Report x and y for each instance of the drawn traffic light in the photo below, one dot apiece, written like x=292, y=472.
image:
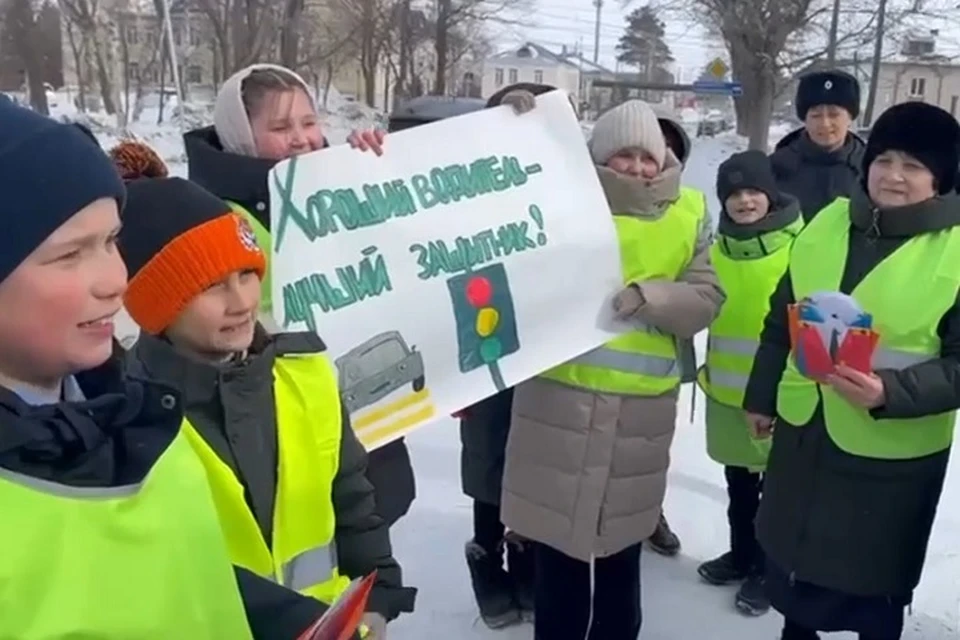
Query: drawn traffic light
x=486, y=323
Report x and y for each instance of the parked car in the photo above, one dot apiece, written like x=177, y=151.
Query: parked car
x=373, y=370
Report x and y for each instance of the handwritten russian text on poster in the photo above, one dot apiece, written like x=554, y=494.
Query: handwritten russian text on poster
x=474, y=254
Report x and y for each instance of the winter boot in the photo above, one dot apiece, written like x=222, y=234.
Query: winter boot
x=491, y=587
x=520, y=568
x=722, y=570
x=793, y=631
x=752, y=597
x=664, y=541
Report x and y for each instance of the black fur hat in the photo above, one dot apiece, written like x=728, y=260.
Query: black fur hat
x=828, y=87
x=928, y=133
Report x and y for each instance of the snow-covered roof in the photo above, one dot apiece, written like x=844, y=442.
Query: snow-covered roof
x=534, y=51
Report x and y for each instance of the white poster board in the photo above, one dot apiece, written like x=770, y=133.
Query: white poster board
x=475, y=253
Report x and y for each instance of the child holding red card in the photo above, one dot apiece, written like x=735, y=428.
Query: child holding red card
x=757, y=225
x=859, y=458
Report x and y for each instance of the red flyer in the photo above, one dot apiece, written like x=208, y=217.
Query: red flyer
x=342, y=619
x=856, y=349
x=828, y=329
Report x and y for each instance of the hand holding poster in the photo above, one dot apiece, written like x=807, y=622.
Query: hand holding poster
x=475, y=253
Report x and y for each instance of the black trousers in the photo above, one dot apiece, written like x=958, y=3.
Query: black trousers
x=794, y=631
x=743, y=489
x=487, y=529
x=562, y=596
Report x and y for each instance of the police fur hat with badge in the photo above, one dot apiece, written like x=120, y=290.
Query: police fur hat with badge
x=829, y=88
x=177, y=239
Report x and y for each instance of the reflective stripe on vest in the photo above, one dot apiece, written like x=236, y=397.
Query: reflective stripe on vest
x=262, y=234
x=642, y=361
x=304, y=554
x=748, y=270
x=139, y=561
x=905, y=316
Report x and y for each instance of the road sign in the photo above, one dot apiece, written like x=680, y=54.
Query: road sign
x=718, y=69
x=719, y=88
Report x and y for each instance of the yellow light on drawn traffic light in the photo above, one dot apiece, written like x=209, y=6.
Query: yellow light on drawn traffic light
x=487, y=320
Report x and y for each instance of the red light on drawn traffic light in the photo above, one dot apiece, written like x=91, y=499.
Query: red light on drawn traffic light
x=479, y=291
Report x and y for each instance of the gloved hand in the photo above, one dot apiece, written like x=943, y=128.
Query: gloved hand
x=627, y=302
x=521, y=101
x=376, y=625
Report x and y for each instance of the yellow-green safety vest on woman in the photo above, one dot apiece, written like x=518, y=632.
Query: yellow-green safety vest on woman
x=644, y=361
x=907, y=294
x=89, y=562
x=303, y=556
x=748, y=270
x=262, y=234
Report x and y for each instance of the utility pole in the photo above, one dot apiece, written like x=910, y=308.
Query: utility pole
x=875, y=67
x=834, y=26
x=174, y=64
x=596, y=32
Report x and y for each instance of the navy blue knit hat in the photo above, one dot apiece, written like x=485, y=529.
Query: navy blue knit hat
x=48, y=172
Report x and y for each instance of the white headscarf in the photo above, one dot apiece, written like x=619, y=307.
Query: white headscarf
x=229, y=116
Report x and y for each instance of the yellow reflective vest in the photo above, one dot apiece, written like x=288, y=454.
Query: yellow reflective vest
x=137, y=562
x=748, y=270
x=303, y=555
x=644, y=361
x=905, y=314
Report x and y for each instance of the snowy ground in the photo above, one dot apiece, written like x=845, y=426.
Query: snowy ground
x=677, y=606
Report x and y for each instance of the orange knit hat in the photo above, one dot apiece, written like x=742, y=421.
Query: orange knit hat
x=177, y=240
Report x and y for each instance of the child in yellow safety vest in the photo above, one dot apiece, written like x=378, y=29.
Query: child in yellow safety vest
x=756, y=228
x=262, y=411
x=108, y=526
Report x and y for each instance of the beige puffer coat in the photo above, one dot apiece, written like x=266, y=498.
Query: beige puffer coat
x=586, y=472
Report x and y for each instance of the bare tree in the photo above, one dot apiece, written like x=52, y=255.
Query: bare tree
x=770, y=41
x=22, y=18
x=455, y=15
x=96, y=31
x=244, y=30
x=290, y=32
x=77, y=50
x=369, y=24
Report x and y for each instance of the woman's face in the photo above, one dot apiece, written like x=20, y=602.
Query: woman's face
x=896, y=179
x=65, y=296
x=220, y=321
x=828, y=125
x=286, y=125
x=634, y=163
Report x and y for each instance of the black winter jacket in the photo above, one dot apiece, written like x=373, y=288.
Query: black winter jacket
x=232, y=406
x=114, y=439
x=814, y=176
x=829, y=518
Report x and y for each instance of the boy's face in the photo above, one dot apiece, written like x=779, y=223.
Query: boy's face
x=745, y=206
x=60, y=302
x=634, y=163
x=220, y=321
